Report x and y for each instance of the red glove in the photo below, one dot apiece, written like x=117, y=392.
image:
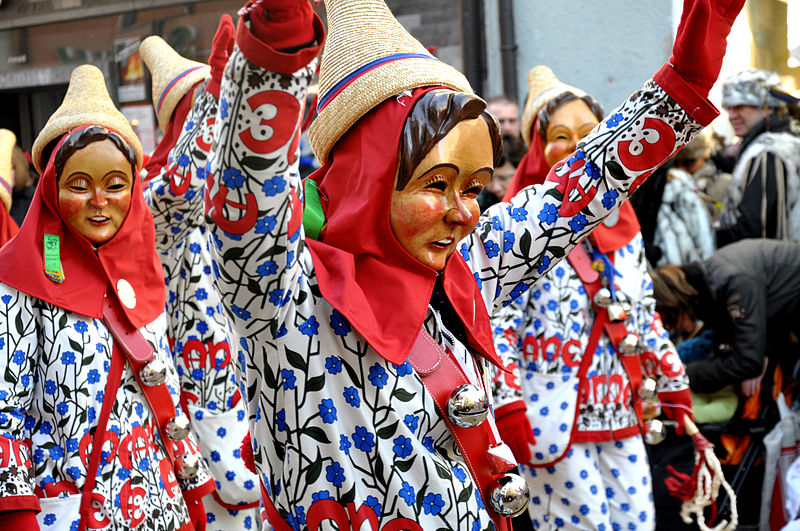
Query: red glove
x=676, y=405
x=515, y=429
x=24, y=519
x=281, y=23
x=197, y=514
x=701, y=40
x=221, y=49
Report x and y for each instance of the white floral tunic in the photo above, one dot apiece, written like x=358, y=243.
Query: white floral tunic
x=203, y=344
x=341, y=435
x=54, y=366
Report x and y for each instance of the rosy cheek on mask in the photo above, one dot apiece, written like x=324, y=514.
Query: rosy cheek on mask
x=417, y=215
x=70, y=207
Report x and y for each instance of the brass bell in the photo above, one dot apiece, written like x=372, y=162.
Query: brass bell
x=616, y=312
x=603, y=297
x=188, y=466
x=154, y=373
x=468, y=406
x=510, y=495
x=629, y=344
x=648, y=390
x=178, y=427
x=656, y=432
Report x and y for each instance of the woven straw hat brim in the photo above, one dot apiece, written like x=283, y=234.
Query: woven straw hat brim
x=374, y=87
x=543, y=85
x=7, y=142
x=362, y=34
x=173, y=76
x=87, y=103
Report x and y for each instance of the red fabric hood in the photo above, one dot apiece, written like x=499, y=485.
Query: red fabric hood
x=362, y=269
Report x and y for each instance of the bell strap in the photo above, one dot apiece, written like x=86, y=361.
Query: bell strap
x=98, y=439
x=441, y=373
x=580, y=261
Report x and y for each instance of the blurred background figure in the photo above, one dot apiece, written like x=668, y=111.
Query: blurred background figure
x=8, y=228
x=507, y=113
x=763, y=196
x=683, y=225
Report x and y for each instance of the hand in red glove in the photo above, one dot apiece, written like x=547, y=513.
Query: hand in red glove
x=282, y=24
x=676, y=405
x=221, y=48
x=24, y=519
x=701, y=40
x=197, y=514
x=515, y=429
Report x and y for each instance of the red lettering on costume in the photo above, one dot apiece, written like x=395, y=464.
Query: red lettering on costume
x=112, y=437
x=649, y=362
x=551, y=355
x=670, y=364
x=237, y=396
x=597, y=381
x=322, y=510
x=213, y=348
x=130, y=500
x=53, y=490
x=364, y=513
x=173, y=171
x=139, y=445
x=5, y=451
x=283, y=123
x=196, y=347
x=200, y=140
x=615, y=380
x=648, y=152
x=168, y=477
x=571, y=358
x=243, y=224
x=96, y=505
x=84, y=449
x=570, y=187
x=297, y=213
x=627, y=395
x=530, y=347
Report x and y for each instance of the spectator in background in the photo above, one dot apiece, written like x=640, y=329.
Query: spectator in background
x=683, y=226
x=513, y=151
x=749, y=294
x=25, y=179
x=8, y=228
x=507, y=113
x=764, y=194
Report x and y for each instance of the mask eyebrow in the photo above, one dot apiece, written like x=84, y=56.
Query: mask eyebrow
x=488, y=169
x=440, y=166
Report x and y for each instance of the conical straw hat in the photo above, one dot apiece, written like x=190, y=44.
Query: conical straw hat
x=87, y=103
x=173, y=76
x=368, y=58
x=543, y=85
x=7, y=142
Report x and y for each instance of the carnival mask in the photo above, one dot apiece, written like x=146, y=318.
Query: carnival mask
x=568, y=125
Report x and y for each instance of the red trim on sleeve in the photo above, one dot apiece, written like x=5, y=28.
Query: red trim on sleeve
x=23, y=520
x=20, y=503
x=198, y=492
x=698, y=107
x=511, y=407
x=265, y=56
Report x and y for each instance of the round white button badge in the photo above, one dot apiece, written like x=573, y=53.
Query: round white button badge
x=126, y=294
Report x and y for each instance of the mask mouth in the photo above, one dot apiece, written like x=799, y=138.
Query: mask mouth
x=444, y=243
x=99, y=219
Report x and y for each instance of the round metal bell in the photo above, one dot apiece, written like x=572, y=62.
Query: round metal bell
x=510, y=495
x=648, y=390
x=603, y=297
x=656, y=432
x=188, y=466
x=629, y=344
x=468, y=406
x=154, y=373
x=178, y=427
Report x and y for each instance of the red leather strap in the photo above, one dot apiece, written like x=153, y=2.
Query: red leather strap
x=441, y=373
x=109, y=397
x=273, y=516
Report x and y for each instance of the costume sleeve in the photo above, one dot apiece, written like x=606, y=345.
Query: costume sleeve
x=175, y=195
x=746, y=301
x=506, y=327
x=19, y=355
x=517, y=242
x=754, y=218
x=253, y=189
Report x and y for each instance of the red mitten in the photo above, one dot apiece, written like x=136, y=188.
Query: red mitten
x=282, y=24
x=197, y=514
x=515, y=429
x=247, y=454
x=221, y=48
x=701, y=40
x=676, y=405
x=25, y=519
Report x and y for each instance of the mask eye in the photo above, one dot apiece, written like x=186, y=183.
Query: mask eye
x=436, y=182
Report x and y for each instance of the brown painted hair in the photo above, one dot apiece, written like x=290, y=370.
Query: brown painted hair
x=673, y=293
x=547, y=110
x=434, y=115
x=83, y=137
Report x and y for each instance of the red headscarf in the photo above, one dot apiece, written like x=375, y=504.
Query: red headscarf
x=533, y=169
x=129, y=255
x=362, y=269
x=8, y=227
